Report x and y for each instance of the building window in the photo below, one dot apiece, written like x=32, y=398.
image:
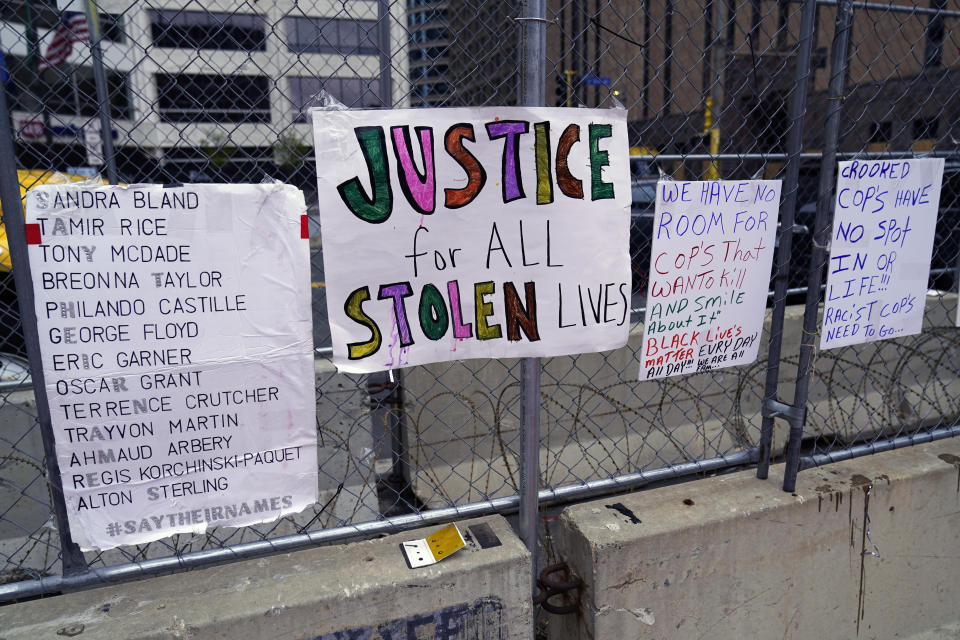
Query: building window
x=111, y=28
x=207, y=30
x=431, y=89
x=332, y=35
x=881, y=131
x=213, y=98
x=428, y=35
x=427, y=54
x=819, y=60
x=767, y=119
x=925, y=128
x=433, y=71
x=353, y=92
x=423, y=17
x=66, y=90
x=933, y=47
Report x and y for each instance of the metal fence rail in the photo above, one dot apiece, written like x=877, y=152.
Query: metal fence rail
x=183, y=91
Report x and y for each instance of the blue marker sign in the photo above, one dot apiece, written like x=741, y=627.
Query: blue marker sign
x=882, y=240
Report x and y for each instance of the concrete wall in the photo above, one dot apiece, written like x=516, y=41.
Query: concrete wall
x=597, y=421
x=867, y=548
x=345, y=592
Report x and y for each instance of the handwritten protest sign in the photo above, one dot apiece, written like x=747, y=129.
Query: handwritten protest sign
x=884, y=219
x=467, y=233
x=709, y=272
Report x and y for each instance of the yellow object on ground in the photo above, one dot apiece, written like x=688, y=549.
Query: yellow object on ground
x=445, y=541
x=441, y=544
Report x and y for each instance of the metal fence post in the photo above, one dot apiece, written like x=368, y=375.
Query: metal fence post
x=385, y=85
x=533, y=73
x=103, y=97
x=821, y=239
x=71, y=557
x=798, y=108
x=385, y=390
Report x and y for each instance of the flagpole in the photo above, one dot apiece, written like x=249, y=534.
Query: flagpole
x=75, y=87
x=103, y=99
x=34, y=61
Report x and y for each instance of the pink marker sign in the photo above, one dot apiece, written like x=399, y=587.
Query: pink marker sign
x=496, y=232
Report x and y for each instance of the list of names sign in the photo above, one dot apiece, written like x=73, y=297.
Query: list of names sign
x=175, y=333
x=710, y=262
x=883, y=226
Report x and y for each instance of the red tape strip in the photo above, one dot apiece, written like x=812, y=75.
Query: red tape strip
x=33, y=234
x=304, y=228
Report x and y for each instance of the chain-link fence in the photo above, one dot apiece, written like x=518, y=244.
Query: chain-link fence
x=181, y=91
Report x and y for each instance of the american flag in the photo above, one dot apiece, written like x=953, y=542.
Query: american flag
x=72, y=28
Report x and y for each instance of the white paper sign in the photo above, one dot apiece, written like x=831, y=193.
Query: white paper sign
x=884, y=218
x=710, y=262
x=175, y=332
x=93, y=143
x=473, y=233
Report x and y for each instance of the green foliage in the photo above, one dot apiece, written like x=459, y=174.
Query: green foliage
x=290, y=151
x=216, y=148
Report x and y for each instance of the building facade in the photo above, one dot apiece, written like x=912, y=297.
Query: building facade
x=665, y=58
x=429, y=52
x=200, y=91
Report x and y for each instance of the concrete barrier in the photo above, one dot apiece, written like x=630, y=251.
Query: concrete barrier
x=359, y=590
x=866, y=548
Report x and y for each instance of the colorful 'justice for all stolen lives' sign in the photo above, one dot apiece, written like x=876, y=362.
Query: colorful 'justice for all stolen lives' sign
x=473, y=233
x=175, y=335
x=884, y=219
x=710, y=265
